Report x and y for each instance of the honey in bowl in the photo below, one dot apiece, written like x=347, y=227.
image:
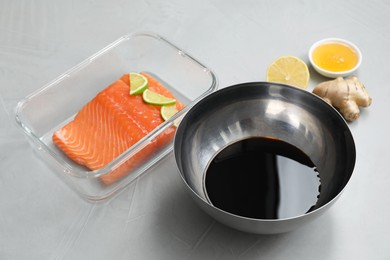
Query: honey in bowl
x=335, y=56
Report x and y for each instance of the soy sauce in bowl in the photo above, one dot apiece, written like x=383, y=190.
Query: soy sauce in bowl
x=262, y=178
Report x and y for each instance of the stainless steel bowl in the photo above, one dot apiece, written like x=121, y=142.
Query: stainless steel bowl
x=257, y=109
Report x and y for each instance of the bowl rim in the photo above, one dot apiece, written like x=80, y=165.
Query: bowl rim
x=329, y=73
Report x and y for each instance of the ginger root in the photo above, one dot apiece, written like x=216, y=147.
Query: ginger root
x=344, y=94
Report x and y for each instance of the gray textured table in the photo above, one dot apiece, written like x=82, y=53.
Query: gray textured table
x=154, y=218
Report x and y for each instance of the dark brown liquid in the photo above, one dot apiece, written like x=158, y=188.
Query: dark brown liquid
x=262, y=178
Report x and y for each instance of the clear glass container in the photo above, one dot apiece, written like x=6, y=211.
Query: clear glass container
x=55, y=104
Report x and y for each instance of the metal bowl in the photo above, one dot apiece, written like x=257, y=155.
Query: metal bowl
x=262, y=109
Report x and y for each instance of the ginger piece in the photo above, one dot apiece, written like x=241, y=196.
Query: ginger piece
x=344, y=94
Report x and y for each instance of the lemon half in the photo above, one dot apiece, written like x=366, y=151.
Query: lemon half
x=289, y=70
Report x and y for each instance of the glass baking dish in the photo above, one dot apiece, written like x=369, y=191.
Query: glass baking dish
x=55, y=104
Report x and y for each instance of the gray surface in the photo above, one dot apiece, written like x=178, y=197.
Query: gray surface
x=41, y=218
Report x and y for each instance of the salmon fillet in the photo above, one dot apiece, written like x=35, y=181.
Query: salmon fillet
x=110, y=124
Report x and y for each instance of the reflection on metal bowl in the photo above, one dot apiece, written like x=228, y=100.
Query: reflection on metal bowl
x=261, y=109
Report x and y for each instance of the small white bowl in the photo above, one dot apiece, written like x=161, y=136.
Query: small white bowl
x=332, y=74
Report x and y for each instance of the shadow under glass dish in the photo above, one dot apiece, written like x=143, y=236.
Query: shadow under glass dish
x=301, y=131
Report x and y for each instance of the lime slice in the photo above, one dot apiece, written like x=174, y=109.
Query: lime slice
x=168, y=111
x=157, y=99
x=138, y=83
x=289, y=70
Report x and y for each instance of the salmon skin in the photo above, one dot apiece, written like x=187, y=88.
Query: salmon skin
x=110, y=124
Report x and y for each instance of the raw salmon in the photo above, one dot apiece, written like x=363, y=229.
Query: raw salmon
x=110, y=124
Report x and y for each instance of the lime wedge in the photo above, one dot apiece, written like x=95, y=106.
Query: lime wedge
x=138, y=83
x=157, y=99
x=168, y=111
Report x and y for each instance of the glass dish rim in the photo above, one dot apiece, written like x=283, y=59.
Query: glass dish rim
x=117, y=162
